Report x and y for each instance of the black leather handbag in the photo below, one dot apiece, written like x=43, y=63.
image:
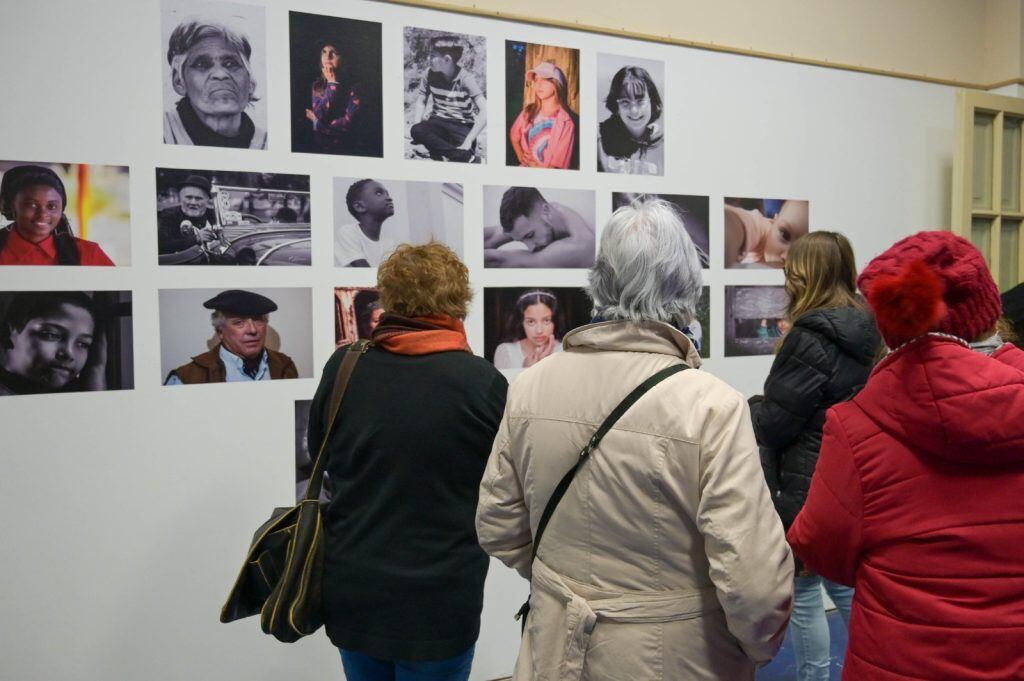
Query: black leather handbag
x=281, y=576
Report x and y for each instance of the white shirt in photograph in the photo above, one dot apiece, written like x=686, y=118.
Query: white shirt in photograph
x=350, y=244
x=511, y=355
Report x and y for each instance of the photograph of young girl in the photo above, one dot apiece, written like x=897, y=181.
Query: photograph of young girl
x=357, y=312
x=445, y=96
x=541, y=107
x=693, y=210
x=755, y=319
x=65, y=342
x=335, y=85
x=64, y=214
x=630, y=111
x=759, y=232
x=522, y=326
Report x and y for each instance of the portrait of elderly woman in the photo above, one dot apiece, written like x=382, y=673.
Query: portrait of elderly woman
x=65, y=341
x=212, y=96
x=664, y=553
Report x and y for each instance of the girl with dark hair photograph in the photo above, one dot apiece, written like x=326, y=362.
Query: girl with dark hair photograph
x=631, y=140
x=533, y=331
x=34, y=199
x=545, y=133
x=49, y=342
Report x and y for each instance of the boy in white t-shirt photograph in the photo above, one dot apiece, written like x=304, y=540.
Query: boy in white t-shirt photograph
x=360, y=243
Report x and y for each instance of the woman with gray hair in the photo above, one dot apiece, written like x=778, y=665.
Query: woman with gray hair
x=663, y=557
x=210, y=69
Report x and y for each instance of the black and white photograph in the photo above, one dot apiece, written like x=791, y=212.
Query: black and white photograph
x=630, y=115
x=445, y=96
x=218, y=217
x=357, y=312
x=531, y=227
x=542, y=106
x=522, y=326
x=235, y=335
x=335, y=85
x=755, y=319
x=373, y=215
x=759, y=232
x=65, y=342
x=699, y=330
x=214, y=74
x=693, y=210
x=64, y=214
x=303, y=458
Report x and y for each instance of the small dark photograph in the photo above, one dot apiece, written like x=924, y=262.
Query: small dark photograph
x=699, y=330
x=214, y=217
x=304, y=459
x=335, y=85
x=755, y=319
x=357, y=312
x=65, y=342
x=445, y=96
x=693, y=210
x=522, y=326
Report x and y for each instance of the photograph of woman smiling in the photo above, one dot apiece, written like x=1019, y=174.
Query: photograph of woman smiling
x=62, y=341
x=211, y=72
x=632, y=138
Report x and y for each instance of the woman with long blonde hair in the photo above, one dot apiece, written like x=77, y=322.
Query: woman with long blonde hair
x=823, y=359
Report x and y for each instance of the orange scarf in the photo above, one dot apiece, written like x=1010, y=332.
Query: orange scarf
x=420, y=335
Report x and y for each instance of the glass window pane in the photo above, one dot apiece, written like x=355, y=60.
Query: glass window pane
x=1009, y=254
x=981, y=236
x=984, y=129
x=1011, y=164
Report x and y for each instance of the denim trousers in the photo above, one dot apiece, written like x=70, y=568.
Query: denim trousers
x=360, y=667
x=809, y=624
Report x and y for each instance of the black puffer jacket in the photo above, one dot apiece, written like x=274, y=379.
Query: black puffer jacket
x=825, y=359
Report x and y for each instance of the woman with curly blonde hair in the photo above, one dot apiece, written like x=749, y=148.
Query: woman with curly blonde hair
x=403, y=573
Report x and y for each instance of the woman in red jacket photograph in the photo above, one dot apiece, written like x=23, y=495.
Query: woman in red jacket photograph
x=915, y=500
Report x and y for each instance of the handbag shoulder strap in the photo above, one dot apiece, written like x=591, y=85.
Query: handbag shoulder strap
x=348, y=363
x=595, y=440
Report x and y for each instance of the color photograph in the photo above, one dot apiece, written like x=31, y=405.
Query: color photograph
x=759, y=232
x=335, y=85
x=445, y=96
x=530, y=227
x=522, y=326
x=64, y=214
x=542, y=85
x=215, y=74
x=755, y=319
x=699, y=330
x=357, y=312
x=693, y=210
x=630, y=115
x=65, y=342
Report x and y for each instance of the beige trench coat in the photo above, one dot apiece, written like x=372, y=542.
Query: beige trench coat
x=665, y=559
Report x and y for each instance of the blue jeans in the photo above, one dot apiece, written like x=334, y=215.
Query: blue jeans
x=809, y=624
x=360, y=667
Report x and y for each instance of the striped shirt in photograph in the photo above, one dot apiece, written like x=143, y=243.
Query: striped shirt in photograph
x=453, y=99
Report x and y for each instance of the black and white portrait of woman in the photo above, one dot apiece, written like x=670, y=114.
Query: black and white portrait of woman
x=631, y=115
x=214, y=74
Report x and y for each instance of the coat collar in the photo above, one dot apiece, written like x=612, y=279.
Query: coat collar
x=622, y=336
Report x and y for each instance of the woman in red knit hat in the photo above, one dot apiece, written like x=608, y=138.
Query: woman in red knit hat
x=916, y=499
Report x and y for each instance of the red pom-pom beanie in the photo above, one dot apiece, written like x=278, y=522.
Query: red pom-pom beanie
x=932, y=281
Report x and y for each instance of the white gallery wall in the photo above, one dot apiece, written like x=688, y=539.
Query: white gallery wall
x=124, y=516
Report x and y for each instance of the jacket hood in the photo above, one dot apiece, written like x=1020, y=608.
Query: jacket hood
x=944, y=400
x=850, y=328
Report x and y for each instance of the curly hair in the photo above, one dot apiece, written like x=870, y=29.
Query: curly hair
x=417, y=281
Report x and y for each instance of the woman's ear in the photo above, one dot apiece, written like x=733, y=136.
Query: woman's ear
x=177, y=83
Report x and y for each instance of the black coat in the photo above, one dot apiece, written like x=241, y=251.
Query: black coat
x=403, y=572
x=825, y=359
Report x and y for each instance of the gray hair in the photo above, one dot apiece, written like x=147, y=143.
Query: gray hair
x=191, y=32
x=218, y=319
x=647, y=266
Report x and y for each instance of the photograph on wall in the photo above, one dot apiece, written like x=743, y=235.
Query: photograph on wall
x=214, y=74
x=531, y=227
x=699, y=330
x=235, y=335
x=372, y=216
x=219, y=217
x=357, y=312
x=759, y=232
x=64, y=214
x=522, y=326
x=335, y=85
x=65, y=342
x=693, y=210
x=303, y=458
x=542, y=104
x=630, y=115
x=445, y=96
x=755, y=319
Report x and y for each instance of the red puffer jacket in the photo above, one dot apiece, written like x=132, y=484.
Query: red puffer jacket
x=918, y=502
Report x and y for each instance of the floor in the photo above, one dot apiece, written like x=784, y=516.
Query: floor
x=783, y=667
